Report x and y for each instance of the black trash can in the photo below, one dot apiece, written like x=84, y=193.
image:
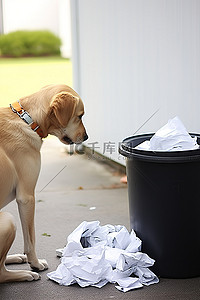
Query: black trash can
x=164, y=204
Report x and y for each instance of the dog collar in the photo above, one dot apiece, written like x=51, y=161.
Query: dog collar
x=24, y=115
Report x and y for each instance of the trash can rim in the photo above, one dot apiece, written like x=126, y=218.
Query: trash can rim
x=127, y=149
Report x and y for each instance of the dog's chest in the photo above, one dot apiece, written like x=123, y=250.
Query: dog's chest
x=9, y=198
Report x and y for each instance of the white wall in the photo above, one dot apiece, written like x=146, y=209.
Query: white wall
x=132, y=57
x=53, y=15
x=37, y=14
x=64, y=29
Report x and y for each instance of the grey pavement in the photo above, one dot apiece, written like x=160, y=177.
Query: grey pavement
x=61, y=205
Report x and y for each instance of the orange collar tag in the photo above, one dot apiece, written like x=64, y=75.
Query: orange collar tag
x=24, y=115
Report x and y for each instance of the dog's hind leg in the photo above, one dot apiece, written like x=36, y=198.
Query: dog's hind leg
x=7, y=236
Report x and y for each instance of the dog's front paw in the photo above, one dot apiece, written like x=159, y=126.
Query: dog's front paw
x=40, y=265
x=16, y=259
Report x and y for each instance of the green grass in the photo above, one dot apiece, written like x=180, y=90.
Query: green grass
x=23, y=76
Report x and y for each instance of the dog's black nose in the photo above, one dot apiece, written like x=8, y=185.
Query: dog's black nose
x=85, y=137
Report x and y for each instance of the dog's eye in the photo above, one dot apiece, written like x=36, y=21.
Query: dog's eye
x=80, y=117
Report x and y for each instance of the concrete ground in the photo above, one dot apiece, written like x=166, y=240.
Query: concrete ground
x=83, y=191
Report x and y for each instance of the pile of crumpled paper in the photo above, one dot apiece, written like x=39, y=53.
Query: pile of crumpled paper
x=171, y=137
x=96, y=255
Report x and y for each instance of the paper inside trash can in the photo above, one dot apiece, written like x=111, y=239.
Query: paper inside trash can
x=96, y=255
x=171, y=137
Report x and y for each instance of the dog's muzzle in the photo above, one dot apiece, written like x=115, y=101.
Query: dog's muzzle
x=67, y=140
x=85, y=137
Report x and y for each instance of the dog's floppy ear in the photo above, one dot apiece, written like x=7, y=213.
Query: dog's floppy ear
x=63, y=106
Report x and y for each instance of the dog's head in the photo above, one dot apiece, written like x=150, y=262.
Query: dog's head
x=66, y=111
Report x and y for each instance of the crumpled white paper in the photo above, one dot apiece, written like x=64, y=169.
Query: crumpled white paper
x=96, y=255
x=171, y=137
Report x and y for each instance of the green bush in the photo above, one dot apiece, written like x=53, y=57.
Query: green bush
x=29, y=43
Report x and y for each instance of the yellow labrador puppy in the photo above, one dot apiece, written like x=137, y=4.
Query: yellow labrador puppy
x=57, y=110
